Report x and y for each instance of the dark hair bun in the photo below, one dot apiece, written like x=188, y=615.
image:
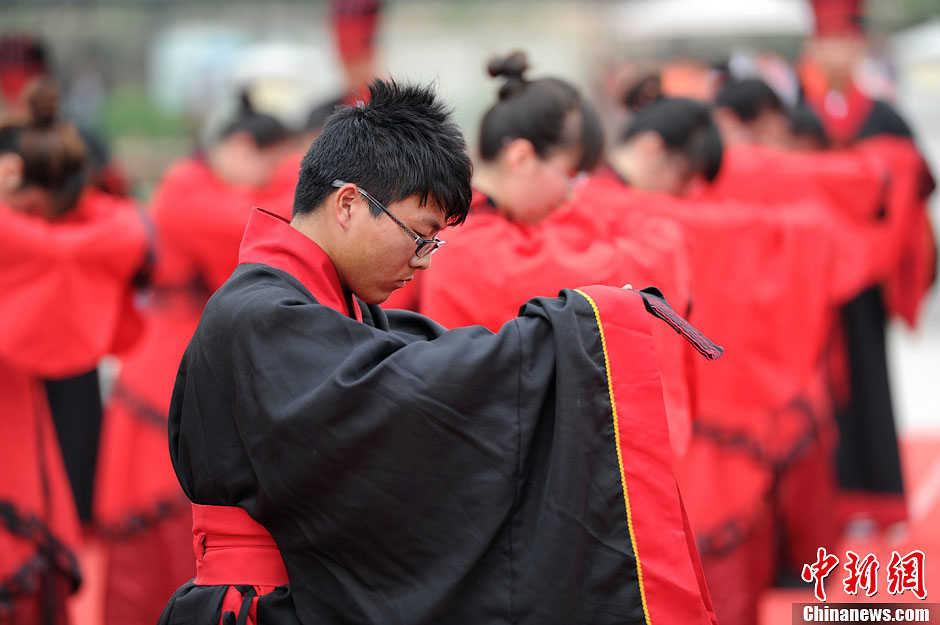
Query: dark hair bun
x=643, y=93
x=512, y=67
x=43, y=101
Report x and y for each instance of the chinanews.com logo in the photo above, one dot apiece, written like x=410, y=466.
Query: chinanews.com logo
x=904, y=575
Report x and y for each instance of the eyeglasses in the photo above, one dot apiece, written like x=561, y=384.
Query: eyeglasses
x=424, y=246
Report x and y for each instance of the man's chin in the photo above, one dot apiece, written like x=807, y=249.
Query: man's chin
x=375, y=298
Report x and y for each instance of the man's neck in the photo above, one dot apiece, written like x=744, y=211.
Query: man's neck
x=312, y=228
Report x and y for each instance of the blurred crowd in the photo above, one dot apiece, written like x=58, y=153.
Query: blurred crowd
x=780, y=204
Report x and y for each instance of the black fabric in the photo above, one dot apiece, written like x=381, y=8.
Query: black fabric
x=656, y=305
x=884, y=120
x=867, y=456
x=248, y=595
x=54, y=565
x=471, y=478
x=75, y=404
x=202, y=605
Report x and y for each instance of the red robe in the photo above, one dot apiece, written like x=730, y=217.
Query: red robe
x=764, y=285
x=491, y=266
x=868, y=457
x=67, y=302
x=199, y=222
x=874, y=194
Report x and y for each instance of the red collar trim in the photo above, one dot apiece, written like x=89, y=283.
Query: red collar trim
x=841, y=126
x=271, y=240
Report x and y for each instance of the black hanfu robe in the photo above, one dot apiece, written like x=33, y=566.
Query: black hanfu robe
x=414, y=475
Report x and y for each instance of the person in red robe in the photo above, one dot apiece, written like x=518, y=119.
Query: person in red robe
x=69, y=254
x=844, y=193
x=24, y=64
x=876, y=187
x=852, y=117
x=761, y=282
x=199, y=211
x=761, y=418
x=523, y=240
x=670, y=146
x=533, y=142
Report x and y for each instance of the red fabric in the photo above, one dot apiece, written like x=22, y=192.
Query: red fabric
x=22, y=60
x=270, y=240
x=842, y=113
x=874, y=194
x=491, y=266
x=846, y=189
x=199, y=223
x=168, y=566
x=771, y=270
x=83, y=260
x=232, y=548
x=912, y=268
x=837, y=17
x=763, y=288
x=670, y=579
x=354, y=25
x=409, y=296
x=66, y=286
x=30, y=609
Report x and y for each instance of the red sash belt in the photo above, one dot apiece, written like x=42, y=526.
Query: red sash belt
x=233, y=549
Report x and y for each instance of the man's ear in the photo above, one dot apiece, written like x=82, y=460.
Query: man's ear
x=344, y=204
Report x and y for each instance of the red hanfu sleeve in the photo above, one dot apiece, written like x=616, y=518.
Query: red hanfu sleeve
x=909, y=183
x=66, y=287
x=491, y=266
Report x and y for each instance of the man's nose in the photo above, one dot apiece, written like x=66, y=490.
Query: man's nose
x=420, y=263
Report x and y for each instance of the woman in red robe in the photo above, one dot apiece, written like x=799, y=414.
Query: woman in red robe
x=524, y=239
x=199, y=210
x=68, y=254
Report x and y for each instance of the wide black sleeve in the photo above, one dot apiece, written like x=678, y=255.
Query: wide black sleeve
x=353, y=444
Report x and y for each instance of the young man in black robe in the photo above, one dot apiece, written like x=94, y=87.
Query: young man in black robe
x=394, y=472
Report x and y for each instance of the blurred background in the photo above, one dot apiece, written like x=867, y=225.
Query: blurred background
x=152, y=78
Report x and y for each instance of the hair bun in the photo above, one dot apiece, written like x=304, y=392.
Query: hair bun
x=512, y=67
x=643, y=93
x=43, y=101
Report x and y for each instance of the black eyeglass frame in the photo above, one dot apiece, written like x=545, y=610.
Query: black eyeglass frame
x=424, y=246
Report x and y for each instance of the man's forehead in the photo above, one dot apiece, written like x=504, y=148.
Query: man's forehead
x=429, y=214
